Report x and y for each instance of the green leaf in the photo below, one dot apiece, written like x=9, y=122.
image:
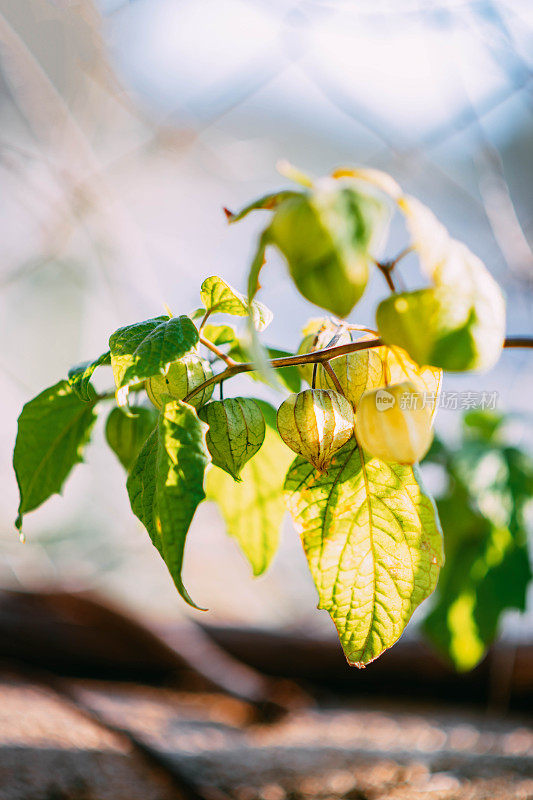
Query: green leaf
x=53, y=430
x=373, y=542
x=146, y=348
x=165, y=485
x=486, y=572
x=219, y=297
x=80, y=376
x=268, y=202
x=182, y=457
x=254, y=508
x=328, y=237
x=429, y=237
x=220, y=334
x=287, y=376
x=483, y=514
x=256, y=349
x=482, y=423
x=126, y=434
x=141, y=488
x=257, y=265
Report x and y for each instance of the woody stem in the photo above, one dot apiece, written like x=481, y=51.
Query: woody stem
x=216, y=350
x=321, y=357
x=331, y=372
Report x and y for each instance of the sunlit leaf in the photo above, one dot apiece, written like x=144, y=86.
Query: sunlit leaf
x=220, y=334
x=373, y=542
x=429, y=237
x=146, y=348
x=177, y=457
x=376, y=177
x=456, y=328
x=254, y=508
x=459, y=322
x=328, y=238
x=219, y=297
x=53, y=430
x=80, y=376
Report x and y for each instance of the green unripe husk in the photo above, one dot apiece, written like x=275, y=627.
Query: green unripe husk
x=327, y=237
x=236, y=432
x=181, y=378
x=315, y=424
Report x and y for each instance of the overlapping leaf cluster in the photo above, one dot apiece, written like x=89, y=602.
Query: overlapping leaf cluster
x=484, y=517
x=370, y=530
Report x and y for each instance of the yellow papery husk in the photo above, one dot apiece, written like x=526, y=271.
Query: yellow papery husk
x=356, y=372
x=398, y=366
x=394, y=423
x=317, y=334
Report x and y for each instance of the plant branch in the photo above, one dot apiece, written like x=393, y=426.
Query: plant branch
x=331, y=372
x=321, y=357
x=386, y=268
x=205, y=318
x=318, y=357
x=518, y=341
x=216, y=350
x=401, y=254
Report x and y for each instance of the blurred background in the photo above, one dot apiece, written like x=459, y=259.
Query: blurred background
x=125, y=129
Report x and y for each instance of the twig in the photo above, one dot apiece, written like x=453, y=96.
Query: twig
x=331, y=372
x=321, y=357
x=518, y=341
x=401, y=254
x=318, y=357
x=385, y=269
x=205, y=318
x=214, y=349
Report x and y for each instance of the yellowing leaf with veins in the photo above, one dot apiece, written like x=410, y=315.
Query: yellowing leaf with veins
x=373, y=542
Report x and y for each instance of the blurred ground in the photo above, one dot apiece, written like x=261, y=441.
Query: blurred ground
x=172, y=744
x=178, y=716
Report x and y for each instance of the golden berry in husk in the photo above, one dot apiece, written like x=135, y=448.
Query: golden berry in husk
x=394, y=423
x=315, y=424
x=181, y=378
